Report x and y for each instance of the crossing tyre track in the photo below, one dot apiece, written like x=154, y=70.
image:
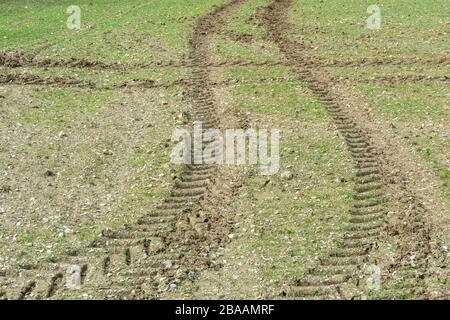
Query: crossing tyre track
x=138, y=260
x=142, y=260
x=341, y=270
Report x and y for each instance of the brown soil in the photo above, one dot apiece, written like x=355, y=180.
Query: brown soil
x=443, y=60
x=30, y=79
x=22, y=59
x=394, y=79
x=18, y=59
x=240, y=37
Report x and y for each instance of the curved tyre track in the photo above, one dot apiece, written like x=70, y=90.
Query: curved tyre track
x=342, y=268
x=137, y=260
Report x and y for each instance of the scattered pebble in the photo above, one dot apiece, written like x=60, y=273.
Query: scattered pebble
x=62, y=135
x=193, y=275
x=287, y=175
x=167, y=264
x=173, y=287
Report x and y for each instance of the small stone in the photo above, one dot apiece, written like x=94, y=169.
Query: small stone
x=193, y=275
x=173, y=287
x=167, y=264
x=62, y=135
x=287, y=175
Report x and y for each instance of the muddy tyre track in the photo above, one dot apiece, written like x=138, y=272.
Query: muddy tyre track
x=341, y=274
x=144, y=259
x=65, y=82
x=22, y=59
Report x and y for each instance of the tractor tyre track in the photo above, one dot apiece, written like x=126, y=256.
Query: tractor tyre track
x=164, y=247
x=19, y=59
x=22, y=59
x=64, y=82
x=340, y=274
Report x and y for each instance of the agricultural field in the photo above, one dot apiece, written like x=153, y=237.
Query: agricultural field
x=356, y=204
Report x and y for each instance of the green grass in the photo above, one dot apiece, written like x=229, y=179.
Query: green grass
x=120, y=31
x=372, y=72
x=257, y=73
x=279, y=99
x=230, y=50
x=431, y=149
x=242, y=22
x=283, y=226
x=409, y=102
x=338, y=28
x=132, y=124
x=132, y=180
x=59, y=107
x=296, y=221
x=419, y=110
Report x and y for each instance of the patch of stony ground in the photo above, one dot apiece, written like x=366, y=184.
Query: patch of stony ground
x=74, y=162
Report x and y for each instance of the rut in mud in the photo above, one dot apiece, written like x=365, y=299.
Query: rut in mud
x=21, y=59
x=27, y=59
x=63, y=82
x=142, y=260
x=340, y=274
